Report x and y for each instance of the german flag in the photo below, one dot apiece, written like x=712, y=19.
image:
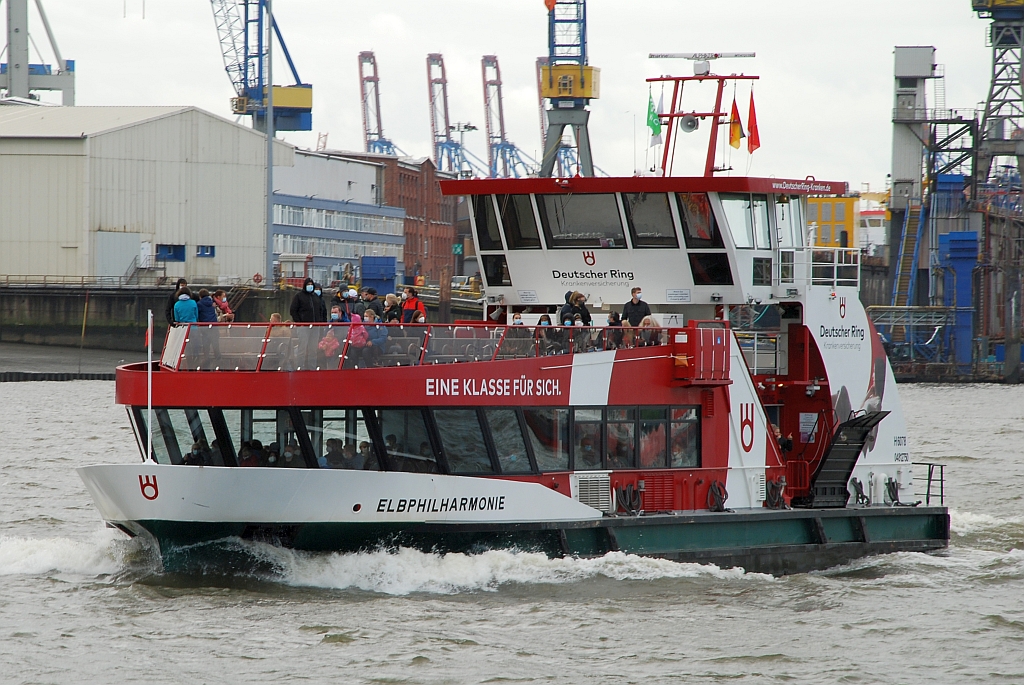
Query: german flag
x=736, y=134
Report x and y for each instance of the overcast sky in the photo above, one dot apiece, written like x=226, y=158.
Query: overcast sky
x=824, y=99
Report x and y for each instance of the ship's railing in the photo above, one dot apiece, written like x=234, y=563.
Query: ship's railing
x=306, y=347
x=760, y=351
x=830, y=267
x=934, y=483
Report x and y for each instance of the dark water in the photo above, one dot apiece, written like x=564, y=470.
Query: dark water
x=79, y=603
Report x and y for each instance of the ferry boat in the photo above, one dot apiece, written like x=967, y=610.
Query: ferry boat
x=658, y=439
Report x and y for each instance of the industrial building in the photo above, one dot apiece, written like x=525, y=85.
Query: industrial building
x=134, y=194
x=412, y=184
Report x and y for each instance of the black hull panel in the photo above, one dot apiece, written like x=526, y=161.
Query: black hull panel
x=763, y=541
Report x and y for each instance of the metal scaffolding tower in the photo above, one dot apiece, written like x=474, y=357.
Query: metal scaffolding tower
x=369, y=87
x=1002, y=123
x=18, y=76
x=504, y=159
x=241, y=28
x=568, y=82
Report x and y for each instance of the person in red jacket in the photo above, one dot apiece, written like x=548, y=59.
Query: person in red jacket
x=413, y=310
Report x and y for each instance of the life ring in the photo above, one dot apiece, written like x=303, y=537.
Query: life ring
x=257, y=278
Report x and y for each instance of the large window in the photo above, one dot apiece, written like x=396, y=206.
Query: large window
x=463, y=441
x=519, y=222
x=587, y=439
x=587, y=220
x=407, y=441
x=650, y=220
x=509, y=444
x=700, y=228
x=548, y=430
x=487, y=235
x=459, y=440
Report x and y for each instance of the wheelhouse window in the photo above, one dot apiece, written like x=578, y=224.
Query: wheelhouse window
x=487, y=234
x=650, y=220
x=462, y=439
x=519, y=222
x=582, y=220
x=747, y=216
x=762, y=271
x=700, y=228
x=789, y=221
x=710, y=268
x=496, y=270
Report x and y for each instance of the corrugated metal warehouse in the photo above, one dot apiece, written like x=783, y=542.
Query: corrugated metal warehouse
x=87, y=190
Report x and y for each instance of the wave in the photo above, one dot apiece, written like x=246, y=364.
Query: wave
x=101, y=553
x=406, y=571
x=964, y=523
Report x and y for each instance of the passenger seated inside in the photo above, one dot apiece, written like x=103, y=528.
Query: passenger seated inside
x=292, y=457
x=351, y=460
x=391, y=444
x=586, y=456
x=198, y=456
x=335, y=457
x=369, y=461
x=273, y=455
x=247, y=456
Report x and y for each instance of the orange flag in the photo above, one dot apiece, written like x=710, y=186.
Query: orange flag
x=735, y=127
x=550, y=4
x=753, y=140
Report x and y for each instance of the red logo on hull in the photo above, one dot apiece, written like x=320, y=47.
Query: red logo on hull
x=747, y=426
x=148, y=487
x=842, y=307
x=589, y=258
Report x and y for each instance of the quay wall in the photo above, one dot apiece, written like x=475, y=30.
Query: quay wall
x=53, y=314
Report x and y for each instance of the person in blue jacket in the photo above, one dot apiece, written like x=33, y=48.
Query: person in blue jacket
x=185, y=309
x=206, y=309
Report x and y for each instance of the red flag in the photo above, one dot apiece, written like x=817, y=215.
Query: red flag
x=550, y=4
x=753, y=139
x=735, y=127
x=147, y=336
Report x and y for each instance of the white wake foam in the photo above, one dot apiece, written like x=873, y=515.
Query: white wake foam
x=95, y=555
x=965, y=523
x=407, y=571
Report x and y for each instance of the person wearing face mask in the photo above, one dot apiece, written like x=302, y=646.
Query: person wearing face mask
x=292, y=457
x=307, y=308
x=518, y=339
x=318, y=291
x=412, y=307
x=636, y=309
x=547, y=337
x=224, y=313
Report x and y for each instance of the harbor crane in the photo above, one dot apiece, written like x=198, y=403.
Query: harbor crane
x=504, y=159
x=450, y=155
x=18, y=76
x=568, y=82
x=244, y=41
x=1002, y=122
x=369, y=89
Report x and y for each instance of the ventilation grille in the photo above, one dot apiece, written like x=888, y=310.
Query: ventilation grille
x=658, y=492
x=759, y=486
x=595, y=490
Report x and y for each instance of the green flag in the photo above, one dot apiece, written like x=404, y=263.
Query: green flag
x=653, y=122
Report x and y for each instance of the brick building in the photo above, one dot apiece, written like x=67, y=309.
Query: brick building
x=412, y=184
